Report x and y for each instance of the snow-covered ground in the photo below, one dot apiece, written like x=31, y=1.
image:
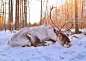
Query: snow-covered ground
x=54, y=52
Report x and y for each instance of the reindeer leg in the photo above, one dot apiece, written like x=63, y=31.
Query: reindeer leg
x=40, y=44
x=52, y=40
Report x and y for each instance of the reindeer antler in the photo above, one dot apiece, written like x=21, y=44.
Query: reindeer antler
x=51, y=19
x=55, y=24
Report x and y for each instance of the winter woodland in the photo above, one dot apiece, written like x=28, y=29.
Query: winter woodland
x=42, y=30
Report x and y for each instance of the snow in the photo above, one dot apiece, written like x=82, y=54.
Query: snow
x=53, y=52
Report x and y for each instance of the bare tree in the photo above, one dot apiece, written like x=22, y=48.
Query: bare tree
x=41, y=14
x=5, y=17
x=10, y=14
x=29, y=11
x=20, y=15
x=25, y=11
x=1, y=16
x=17, y=15
x=76, y=18
x=82, y=16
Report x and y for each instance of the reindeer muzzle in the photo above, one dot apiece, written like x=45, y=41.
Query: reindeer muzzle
x=68, y=46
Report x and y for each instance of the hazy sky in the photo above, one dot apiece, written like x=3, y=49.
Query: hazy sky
x=35, y=8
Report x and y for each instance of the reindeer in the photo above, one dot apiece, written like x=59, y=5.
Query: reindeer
x=37, y=36
x=62, y=38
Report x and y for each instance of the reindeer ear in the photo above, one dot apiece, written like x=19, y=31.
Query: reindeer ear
x=54, y=30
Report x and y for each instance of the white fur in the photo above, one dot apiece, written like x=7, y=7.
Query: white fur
x=42, y=32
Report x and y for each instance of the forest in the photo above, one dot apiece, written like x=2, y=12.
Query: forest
x=16, y=14
x=42, y=30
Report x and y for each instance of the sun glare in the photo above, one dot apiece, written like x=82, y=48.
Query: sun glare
x=35, y=9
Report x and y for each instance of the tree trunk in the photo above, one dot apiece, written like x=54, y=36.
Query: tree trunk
x=29, y=11
x=10, y=14
x=25, y=11
x=17, y=16
x=5, y=16
x=82, y=16
x=76, y=18
x=22, y=14
x=41, y=14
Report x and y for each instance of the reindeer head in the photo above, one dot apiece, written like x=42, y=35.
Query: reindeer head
x=62, y=38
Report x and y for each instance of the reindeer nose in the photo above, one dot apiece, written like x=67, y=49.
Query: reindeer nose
x=68, y=45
